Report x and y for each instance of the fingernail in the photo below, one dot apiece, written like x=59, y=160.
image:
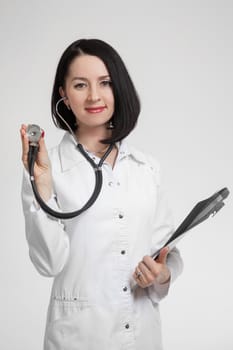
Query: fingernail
x=42, y=134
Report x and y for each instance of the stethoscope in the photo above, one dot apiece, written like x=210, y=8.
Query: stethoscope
x=34, y=133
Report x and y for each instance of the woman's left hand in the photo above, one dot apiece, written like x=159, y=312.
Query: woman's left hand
x=149, y=270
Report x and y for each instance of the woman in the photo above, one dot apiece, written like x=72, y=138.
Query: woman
x=97, y=258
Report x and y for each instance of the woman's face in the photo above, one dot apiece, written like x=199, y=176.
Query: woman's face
x=89, y=92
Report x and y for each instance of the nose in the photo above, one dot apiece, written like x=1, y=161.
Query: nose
x=93, y=94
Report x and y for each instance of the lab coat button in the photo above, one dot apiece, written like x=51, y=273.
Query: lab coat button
x=110, y=183
x=125, y=289
x=121, y=216
x=123, y=252
x=118, y=183
x=127, y=326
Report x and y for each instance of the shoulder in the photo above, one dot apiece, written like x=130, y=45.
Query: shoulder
x=144, y=157
x=147, y=161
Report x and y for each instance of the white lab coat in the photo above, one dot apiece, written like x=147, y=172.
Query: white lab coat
x=94, y=304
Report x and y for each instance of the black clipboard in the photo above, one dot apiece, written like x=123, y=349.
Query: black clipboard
x=202, y=211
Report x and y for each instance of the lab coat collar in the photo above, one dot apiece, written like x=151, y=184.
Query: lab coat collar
x=70, y=156
x=68, y=153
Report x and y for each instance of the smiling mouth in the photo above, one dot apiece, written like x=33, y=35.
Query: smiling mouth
x=95, y=109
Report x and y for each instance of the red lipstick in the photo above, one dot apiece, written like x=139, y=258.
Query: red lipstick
x=95, y=109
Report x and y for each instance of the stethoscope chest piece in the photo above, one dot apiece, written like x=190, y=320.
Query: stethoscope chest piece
x=34, y=133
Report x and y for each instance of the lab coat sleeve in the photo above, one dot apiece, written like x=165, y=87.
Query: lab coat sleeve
x=163, y=228
x=48, y=242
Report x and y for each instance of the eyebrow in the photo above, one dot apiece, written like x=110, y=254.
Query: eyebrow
x=85, y=79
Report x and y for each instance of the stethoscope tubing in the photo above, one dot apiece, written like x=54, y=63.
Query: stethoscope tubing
x=33, y=150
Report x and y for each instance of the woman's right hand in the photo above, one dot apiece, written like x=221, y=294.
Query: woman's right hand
x=42, y=168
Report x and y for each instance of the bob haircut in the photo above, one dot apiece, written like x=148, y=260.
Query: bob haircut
x=126, y=100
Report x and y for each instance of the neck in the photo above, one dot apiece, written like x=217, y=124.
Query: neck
x=90, y=138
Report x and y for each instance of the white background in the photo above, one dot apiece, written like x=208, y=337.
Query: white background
x=180, y=56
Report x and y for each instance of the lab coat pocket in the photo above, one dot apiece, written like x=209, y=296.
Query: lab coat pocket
x=67, y=324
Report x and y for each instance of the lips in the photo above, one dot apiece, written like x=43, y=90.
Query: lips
x=95, y=109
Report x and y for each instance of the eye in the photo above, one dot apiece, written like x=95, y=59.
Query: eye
x=80, y=86
x=106, y=83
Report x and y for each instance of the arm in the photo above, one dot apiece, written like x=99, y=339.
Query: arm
x=158, y=275
x=47, y=239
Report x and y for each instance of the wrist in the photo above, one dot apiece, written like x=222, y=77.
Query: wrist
x=45, y=189
x=164, y=277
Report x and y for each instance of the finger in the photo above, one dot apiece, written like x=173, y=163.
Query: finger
x=138, y=280
x=153, y=266
x=42, y=146
x=140, y=283
x=25, y=144
x=135, y=276
x=138, y=276
x=146, y=273
x=23, y=130
x=163, y=255
x=43, y=158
